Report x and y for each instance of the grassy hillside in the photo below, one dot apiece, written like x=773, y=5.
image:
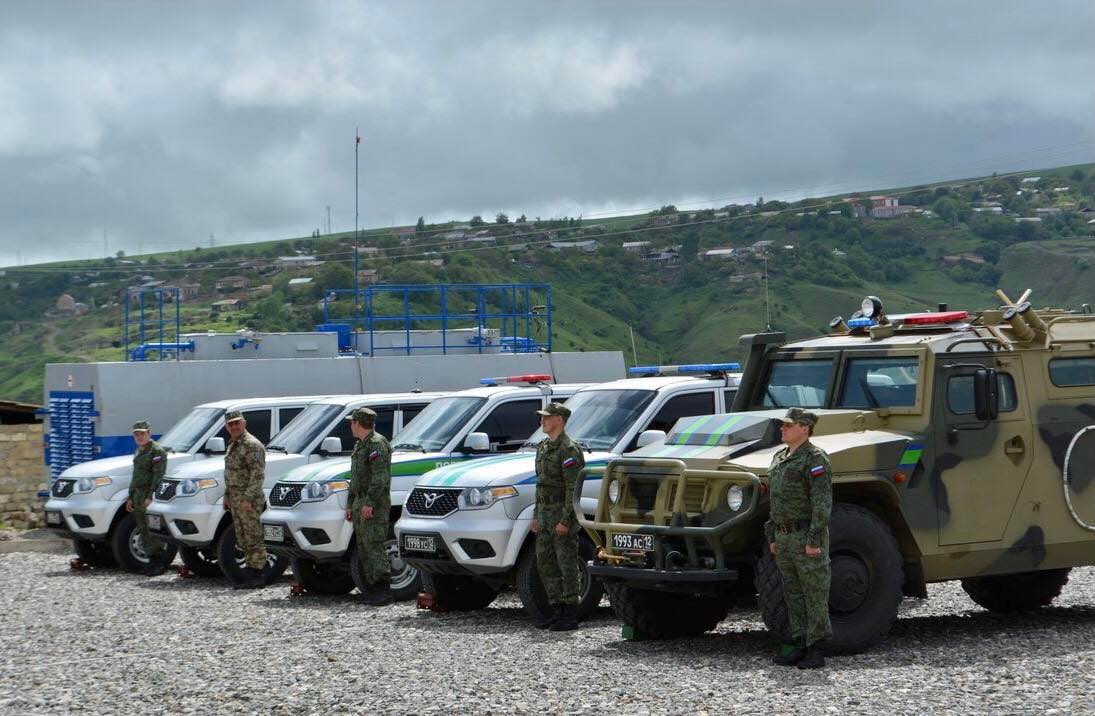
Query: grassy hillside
x=823, y=258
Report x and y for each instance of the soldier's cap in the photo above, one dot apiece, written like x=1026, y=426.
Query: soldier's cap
x=142, y=426
x=555, y=409
x=800, y=416
x=232, y=416
x=362, y=416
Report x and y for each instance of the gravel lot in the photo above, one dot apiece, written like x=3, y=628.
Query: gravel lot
x=109, y=642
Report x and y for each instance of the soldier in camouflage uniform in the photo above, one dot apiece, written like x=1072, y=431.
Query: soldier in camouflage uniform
x=370, y=505
x=558, y=461
x=244, y=472
x=149, y=465
x=797, y=531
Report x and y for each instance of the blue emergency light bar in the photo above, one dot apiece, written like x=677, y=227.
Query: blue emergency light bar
x=683, y=369
x=863, y=322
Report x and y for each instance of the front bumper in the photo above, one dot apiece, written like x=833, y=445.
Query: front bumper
x=476, y=542
x=83, y=516
x=317, y=530
x=186, y=522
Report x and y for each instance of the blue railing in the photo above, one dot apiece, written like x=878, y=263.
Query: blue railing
x=147, y=327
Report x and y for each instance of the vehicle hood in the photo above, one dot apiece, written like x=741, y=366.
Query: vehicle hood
x=119, y=465
x=514, y=469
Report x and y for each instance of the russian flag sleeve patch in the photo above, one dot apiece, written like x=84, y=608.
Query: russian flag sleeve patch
x=570, y=462
x=374, y=455
x=817, y=471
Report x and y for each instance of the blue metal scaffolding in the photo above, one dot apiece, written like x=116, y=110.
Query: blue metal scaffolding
x=146, y=321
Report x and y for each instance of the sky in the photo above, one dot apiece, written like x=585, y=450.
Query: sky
x=151, y=126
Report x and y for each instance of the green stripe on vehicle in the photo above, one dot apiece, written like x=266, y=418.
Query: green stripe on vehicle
x=722, y=430
x=696, y=425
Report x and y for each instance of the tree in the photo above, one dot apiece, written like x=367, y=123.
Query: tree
x=420, y=226
x=476, y=220
x=501, y=218
x=120, y=254
x=522, y=219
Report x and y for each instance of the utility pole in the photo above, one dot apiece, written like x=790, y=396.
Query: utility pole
x=357, y=143
x=106, y=245
x=211, y=242
x=328, y=219
x=767, y=305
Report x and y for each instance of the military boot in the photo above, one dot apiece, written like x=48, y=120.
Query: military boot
x=814, y=658
x=378, y=594
x=568, y=618
x=789, y=655
x=549, y=617
x=252, y=579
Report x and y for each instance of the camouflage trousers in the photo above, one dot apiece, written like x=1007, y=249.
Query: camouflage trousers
x=557, y=558
x=249, y=533
x=805, y=588
x=153, y=547
x=371, y=537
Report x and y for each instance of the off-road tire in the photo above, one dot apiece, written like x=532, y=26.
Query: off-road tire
x=330, y=578
x=201, y=561
x=406, y=581
x=666, y=615
x=94, y=553
x=459, y=593
x=531, y=590
x=866, y=587
x=1010, y=593
x=230, y=559
x=128, y=552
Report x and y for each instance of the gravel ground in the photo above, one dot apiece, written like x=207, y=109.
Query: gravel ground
x=108, y=642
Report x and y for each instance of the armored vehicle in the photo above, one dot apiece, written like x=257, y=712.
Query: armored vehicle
x=962, y=447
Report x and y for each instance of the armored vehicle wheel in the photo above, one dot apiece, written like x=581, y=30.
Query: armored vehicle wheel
x=201, y=561
x=406, y=581
x=230, y=559
x=331, y=578
x=531, y=589
x=458, y=593
x=94, y=554
x=666, y=615
x=866, y=583
x=129, y=549
x=1008, y=593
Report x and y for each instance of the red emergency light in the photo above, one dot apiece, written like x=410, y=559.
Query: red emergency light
x=530, y=378
x=928, y=319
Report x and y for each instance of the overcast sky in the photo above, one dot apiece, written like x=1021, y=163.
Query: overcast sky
x=162, y=123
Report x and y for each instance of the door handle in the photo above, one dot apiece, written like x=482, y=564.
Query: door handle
x=1015, y=446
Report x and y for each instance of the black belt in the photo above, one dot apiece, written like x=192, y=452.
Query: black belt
x=787, y=528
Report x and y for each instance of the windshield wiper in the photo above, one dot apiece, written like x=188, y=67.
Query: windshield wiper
x=279, y=448
x=584, y=446
x=409, y=446
x=872, y=401
x=768, y=392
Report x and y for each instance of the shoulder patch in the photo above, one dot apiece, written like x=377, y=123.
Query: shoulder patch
x=570, y=462
x=157, y=458
x=817, y=471
x=374, y=455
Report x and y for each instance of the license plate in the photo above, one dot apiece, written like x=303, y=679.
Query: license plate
x=419, y=543
x=630, y=542
x=53, y=518
x=273, y=533
x=155, y=522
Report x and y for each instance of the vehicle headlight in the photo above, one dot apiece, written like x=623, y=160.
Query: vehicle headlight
x=316, y=491
x=479, y=498
x=87, y=484
x=614, y=491
x=188, y=488
x=735, y=497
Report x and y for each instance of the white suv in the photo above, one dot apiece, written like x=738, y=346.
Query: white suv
x=306, y=518
x=467, y=526
x=87, y=501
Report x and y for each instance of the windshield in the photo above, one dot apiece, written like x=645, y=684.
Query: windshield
x=599, y=418
x=880, y=383
x=797, y=384
x=306, y=427
x=435, y=426
x=184, y=434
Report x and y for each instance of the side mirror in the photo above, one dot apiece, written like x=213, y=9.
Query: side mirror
x=477, y=442
x=986, y=394
x=649, y=437
x=331, y=446
x=214, y=445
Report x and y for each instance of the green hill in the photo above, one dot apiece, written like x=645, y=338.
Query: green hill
x=957, y=242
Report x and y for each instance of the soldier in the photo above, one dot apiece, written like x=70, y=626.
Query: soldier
x=558, y=461
x=149, y=465
x=244, y=472
x=797, y=530
x=370, y=506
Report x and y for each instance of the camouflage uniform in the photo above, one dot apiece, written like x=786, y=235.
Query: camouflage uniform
x=149, y=465
x=557, y=464
x=244, y=472
x=801, y=489
x=370, y=485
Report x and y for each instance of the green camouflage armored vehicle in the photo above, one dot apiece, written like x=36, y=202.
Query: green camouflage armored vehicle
x=962, y=446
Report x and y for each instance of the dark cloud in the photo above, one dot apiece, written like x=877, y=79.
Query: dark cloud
x=165, y=123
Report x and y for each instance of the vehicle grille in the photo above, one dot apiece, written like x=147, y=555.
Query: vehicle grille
x=166, y=490
x=286, y=494
x=62, y=488
x=432, y=502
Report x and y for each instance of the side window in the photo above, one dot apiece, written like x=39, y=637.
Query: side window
x=411, y=411
x=728, y=399
x=385, y=417
x=682, y=406
x=880, y=383
x=510, y=424
x=286, y=415
x=960, y=394
x=258, y=424
x=1066, y=372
